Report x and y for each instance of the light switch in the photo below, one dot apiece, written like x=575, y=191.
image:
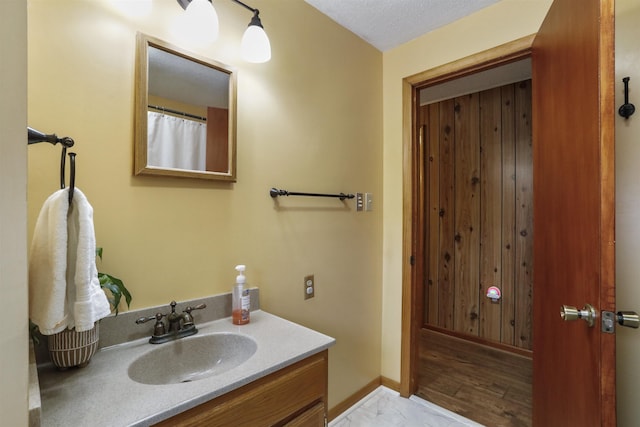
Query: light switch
x=368, y=202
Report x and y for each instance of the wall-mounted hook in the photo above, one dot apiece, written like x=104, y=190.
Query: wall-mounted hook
x=627, y=109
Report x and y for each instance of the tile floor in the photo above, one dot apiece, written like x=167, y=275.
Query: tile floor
x=385, y=408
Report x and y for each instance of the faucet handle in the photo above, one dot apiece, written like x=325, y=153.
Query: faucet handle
x=189, y=309
x=158, y=328
x=156, y=316
x=187, y=317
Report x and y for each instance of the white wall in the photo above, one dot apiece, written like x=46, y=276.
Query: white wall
x=13, y=212
x=628, y=208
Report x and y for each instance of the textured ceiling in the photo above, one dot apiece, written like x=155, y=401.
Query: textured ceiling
x=386, y=24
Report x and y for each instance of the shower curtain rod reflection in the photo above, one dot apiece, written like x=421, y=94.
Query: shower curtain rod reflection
x=181, y=113
x=274, y=192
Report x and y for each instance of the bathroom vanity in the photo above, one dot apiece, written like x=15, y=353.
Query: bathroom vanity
x=268, y=372
x=293, y=396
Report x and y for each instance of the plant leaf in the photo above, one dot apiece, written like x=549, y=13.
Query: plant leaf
x=117, y=289
x=115, y=292
x=34, y=332
x=115, y=286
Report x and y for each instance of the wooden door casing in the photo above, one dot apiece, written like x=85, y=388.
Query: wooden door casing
x=413, y=205
x=573, y=98
x=478, y=205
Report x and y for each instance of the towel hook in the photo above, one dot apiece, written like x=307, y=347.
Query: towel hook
x=63, y=159
x=72, y=180
x=72, y=168
x=626, y=109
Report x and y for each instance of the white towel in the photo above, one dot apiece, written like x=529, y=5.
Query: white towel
x=64, y=290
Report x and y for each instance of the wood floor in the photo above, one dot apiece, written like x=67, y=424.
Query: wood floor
x=486, y=385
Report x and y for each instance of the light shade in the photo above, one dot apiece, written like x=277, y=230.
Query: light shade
x=255, y=45
x=201, y=21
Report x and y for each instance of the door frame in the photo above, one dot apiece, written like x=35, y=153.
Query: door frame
x=413, y=242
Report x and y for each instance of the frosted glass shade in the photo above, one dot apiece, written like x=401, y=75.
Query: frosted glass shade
x=201, y=21
x=255, y=45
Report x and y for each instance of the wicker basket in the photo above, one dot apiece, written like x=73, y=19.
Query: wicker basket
x=70, y=348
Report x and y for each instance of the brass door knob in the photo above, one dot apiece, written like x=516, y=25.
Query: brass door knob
x=570, y=313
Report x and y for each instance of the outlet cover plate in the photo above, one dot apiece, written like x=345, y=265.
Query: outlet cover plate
x=309, y=286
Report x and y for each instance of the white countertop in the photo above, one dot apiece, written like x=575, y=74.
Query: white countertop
x=102, y=394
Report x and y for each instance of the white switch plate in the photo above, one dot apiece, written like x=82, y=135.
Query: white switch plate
x=368, y=202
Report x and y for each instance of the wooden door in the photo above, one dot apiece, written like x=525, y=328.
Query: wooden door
x=573, y=134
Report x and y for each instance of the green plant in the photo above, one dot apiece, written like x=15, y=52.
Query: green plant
x=116, y=288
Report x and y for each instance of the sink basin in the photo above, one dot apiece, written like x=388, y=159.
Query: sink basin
x=192, y=358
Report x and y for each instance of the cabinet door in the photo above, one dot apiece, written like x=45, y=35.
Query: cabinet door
x=264, y=402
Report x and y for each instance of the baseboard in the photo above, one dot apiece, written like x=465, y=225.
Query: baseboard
x=389, y=383
x=354, y=398
x=358, y=395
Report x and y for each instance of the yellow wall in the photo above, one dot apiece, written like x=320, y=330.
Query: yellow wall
x=309, y=120
x=13, y=209
x=503, y=22
x=627, y=207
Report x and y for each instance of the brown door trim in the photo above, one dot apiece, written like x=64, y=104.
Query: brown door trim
x=413, y=180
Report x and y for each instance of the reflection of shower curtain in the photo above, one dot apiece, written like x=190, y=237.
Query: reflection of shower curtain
x=175, y=142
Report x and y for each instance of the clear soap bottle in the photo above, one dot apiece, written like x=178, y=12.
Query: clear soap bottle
x=240, y=300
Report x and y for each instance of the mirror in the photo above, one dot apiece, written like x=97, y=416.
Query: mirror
x=185, y=113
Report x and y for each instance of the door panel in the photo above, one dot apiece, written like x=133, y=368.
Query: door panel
x=573, y=116
x=446, y=280
x=467, y=214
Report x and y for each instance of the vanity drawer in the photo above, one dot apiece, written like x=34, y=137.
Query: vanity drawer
x=293, y=396
x=312, y=417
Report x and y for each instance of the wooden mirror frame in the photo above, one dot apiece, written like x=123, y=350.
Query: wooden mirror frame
x=141, y=166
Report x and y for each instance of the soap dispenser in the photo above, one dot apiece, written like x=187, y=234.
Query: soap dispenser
x=240, y=302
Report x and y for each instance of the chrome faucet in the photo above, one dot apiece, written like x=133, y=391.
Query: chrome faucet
x=179, y=325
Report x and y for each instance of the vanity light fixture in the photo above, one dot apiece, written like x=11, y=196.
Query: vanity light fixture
x=200, y=19
x=255, y=45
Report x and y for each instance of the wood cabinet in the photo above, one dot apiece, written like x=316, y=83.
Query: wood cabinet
x=295, y=396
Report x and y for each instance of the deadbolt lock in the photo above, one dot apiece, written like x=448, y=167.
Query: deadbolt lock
x=630, y=319
x=588, y=314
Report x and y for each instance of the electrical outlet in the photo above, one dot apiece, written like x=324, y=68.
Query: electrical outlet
x=309, y=286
